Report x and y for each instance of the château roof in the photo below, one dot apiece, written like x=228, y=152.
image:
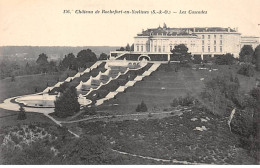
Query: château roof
x=182, y=31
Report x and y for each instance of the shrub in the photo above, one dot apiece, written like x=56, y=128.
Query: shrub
x=141, y=107
x=246, y=70
x=90, y=110
x=226, y=59
x=197, y=59
x=21, y=114
x=138, y=108
x=183, y=101
x=175, y=102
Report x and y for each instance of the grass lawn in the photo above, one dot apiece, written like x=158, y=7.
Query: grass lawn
x=159, y=89
x=27, y=84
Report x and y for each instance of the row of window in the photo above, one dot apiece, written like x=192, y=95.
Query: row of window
x=215, y=49
x=215, y=36
x=215, y=42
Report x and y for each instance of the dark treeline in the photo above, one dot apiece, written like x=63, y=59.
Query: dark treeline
x=84, y=59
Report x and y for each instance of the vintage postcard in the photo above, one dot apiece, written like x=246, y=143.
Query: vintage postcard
x=112, y=82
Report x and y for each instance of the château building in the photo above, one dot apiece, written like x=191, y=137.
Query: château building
x=204, y=41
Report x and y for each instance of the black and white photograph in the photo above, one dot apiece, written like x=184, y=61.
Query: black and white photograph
x=129, y=82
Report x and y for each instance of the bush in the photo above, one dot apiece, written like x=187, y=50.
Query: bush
x=183, y=101
x=90, y=110
x=141, y=107
x=227, y=59
x=197, y=59
x=21, y=114
x=246, y=70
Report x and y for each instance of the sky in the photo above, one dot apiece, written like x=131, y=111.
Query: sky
x=43, y=23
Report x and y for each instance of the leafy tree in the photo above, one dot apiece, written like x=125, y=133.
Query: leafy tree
x=226, y=59
x=42, y=59
x=247, y=70
x=67, y=104
x=256, y=57
x=127, y=48
x=69, y=61
x=121, y=49
x=132, y=47
x=246, y=53
x=180, y=53
x=141, y=107
x=86, y=56
x=21, y=114
x=103, y=56
x=197, y=59
x=138, y=108
x=43, y=63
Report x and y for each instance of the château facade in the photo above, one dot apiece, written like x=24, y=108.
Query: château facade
x=203, y=41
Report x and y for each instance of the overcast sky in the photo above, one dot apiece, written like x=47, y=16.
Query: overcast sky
x=43, y=23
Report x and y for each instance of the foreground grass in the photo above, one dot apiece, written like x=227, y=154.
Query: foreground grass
x=174, y=138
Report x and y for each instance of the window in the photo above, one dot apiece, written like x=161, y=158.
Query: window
x=202, y=48
x=137, y=48
x=220, y=48
x=208, y=36
x=159, y=49
x=220, y=42
x=208, y=48
x=215, y=42
x=215, y=36
x=202, y=36
x=155, y=48
x=221, y=36
x=163, y=48
x=142, y=48
x=202, y=42
x=170, y=47
x=215, y=49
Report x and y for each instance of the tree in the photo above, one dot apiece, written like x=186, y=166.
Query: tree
x=67, y=104
x=226, y=59
x=246, y=53
x=247, y=70
x=141, y=107
x=121, y=49
x=21, y=114
x=69, y=61
x=103, y=56
x=127, y=48
x=197, y=59
x=257, y=57
x=180, y=53
x=42, y=61
x=132, y=47
x=86, y=56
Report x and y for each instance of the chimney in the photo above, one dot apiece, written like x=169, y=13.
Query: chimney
x=193, y=29
x=228, y=29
